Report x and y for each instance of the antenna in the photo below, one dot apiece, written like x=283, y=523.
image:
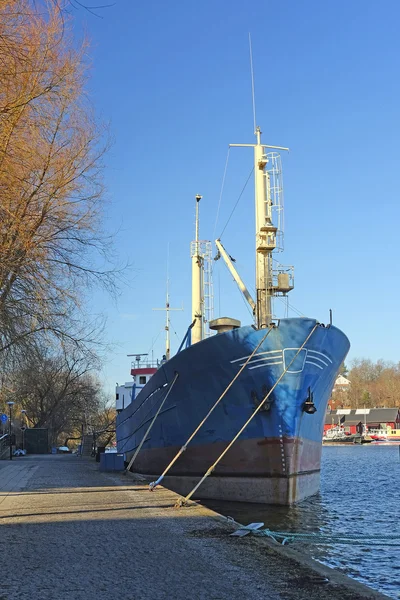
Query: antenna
x=138, y=358
x=252, y=83
x=167, y=310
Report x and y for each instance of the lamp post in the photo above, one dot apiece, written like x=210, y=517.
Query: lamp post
x=10, y=405
x=23, y=413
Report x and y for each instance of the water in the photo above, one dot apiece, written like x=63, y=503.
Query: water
x=360, y=494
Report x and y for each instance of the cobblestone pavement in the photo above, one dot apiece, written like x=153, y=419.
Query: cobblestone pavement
x=71, y=532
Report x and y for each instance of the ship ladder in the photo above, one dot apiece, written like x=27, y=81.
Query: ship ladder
x=183, y=501
x=128, y=468
x=154, y=484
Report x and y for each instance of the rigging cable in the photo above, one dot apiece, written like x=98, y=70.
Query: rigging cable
x=237, y=202
x=219, y=291
x=156, y=338
x=221, y=192
x=170, y=324
x=227, y=156
x=294, y=309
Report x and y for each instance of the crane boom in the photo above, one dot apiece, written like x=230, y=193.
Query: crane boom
x=236, y=275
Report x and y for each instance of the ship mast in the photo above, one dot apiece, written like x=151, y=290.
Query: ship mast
x=167, y=311
x=265, y=231
x=265, y=236
x=167, y=325
x=197, y=284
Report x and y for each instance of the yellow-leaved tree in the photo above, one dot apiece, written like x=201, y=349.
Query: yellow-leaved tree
x=51, y=148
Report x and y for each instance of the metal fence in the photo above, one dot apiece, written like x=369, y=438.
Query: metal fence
x=4, y=446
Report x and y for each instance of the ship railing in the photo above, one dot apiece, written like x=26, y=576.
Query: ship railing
x=145, y=364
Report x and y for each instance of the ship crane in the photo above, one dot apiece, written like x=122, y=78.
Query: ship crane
x=236, y=275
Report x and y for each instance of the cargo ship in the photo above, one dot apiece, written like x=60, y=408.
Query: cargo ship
x=260, y=389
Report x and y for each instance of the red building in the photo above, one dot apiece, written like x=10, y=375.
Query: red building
x=371, y=418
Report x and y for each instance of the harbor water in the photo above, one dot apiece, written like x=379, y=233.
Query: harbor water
x=360, y=495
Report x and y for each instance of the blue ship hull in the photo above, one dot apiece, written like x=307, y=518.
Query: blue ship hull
x=276, y=459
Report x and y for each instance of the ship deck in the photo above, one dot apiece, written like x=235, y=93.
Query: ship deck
x=70, y=531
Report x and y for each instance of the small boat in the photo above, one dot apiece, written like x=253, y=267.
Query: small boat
x=385, y=435
x=362, y=439
x=378, y=435
x=337, y=435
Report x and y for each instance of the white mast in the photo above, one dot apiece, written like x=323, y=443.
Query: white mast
x=197, y=284
x=167, y=325
x=265, y=231
x=167, y=310
x=265, y=236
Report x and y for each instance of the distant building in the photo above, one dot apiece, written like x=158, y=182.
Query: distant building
x=372, y=418
x=339, y=391
x=341, y=384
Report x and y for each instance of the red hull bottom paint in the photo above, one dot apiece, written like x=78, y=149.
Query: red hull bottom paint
x=261, y=490
x=267, y=470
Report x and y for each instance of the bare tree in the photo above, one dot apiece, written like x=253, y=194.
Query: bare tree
x=51, y=244
x=58, y=391
x=373, y=384
x=104, y=424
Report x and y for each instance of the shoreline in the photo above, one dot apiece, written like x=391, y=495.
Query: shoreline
x=320, y=581
x=72, y=531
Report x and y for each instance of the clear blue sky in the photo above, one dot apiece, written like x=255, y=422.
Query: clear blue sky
x=173, y=79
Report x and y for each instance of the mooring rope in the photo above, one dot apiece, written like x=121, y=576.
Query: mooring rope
x=182, y=502
x=128, y=468
x=285, y=537
x=154, y=484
